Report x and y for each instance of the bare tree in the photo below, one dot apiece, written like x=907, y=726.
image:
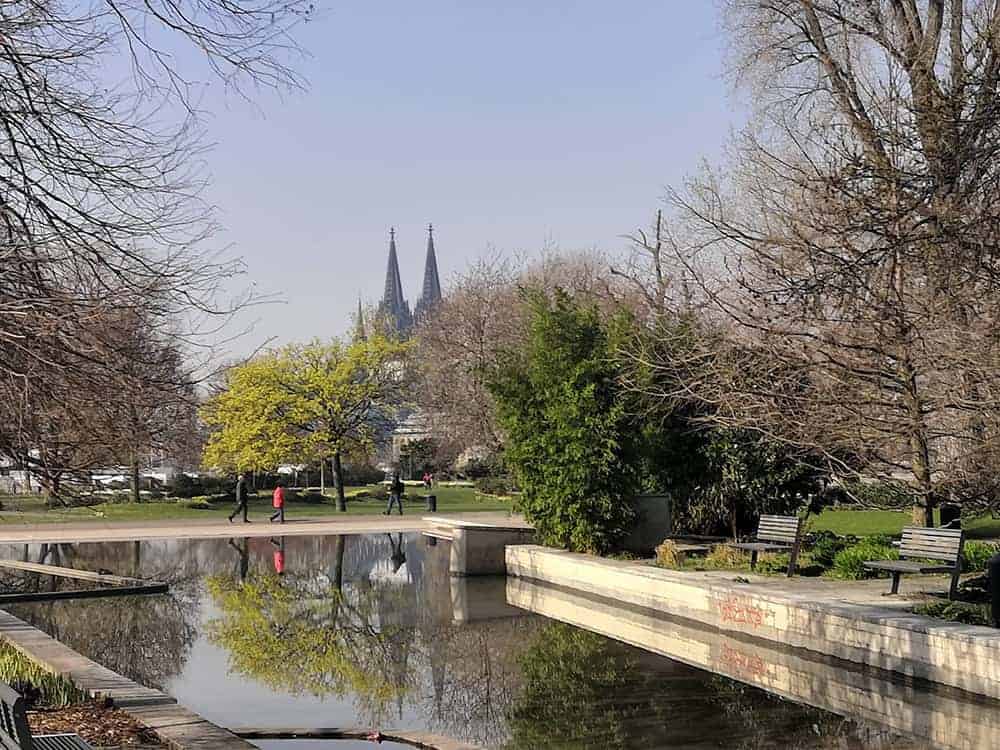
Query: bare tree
x=100, y=208
x=482, y=315
x=849, y=249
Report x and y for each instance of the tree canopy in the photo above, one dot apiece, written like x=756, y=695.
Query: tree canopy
x=306, y=402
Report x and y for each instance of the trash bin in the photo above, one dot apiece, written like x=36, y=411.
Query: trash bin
x=951, y=516
x=432, y=503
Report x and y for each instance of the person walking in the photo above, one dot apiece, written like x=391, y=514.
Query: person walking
x=396, y=489
x=278, y=501
x=242, y=497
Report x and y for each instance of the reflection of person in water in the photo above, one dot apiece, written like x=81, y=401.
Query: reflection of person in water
x=397, y=558
x=279, y=556
x=242, y=549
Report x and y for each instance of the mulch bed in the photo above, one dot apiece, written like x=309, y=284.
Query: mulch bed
x=100, y=726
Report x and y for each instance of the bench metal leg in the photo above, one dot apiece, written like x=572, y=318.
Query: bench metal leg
x=895, y=583
x=793, y=559
x=953, y=589
x=753, y=560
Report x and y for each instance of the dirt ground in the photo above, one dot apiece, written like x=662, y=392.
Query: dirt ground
x=101, y=727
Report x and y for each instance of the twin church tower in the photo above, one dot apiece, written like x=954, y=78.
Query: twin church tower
x=394, y=309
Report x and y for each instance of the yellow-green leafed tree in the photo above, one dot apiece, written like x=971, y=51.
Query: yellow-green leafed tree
x=306, y=402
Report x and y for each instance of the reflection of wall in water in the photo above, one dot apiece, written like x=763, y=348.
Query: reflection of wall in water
x=876, y=703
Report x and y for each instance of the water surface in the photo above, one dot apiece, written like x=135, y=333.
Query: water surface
x=372, y=632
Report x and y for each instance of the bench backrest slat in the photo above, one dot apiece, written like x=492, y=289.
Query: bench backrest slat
x=14, y=732
x=933, y=544
x=784, y=529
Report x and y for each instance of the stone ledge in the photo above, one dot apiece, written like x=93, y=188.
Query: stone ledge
x=963, y=656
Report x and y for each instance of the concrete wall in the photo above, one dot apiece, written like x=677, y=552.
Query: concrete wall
x=963, y=656
x=653, y=523
x=944, y=717
x=479, y=550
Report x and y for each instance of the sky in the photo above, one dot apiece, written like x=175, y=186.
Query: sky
x=511, y=126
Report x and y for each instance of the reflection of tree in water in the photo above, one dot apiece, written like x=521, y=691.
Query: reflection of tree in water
x=146, y=638
x=299, y=634
x=387, y=642
x=478, y=678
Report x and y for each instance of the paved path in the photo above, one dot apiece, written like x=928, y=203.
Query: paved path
x=118, y=531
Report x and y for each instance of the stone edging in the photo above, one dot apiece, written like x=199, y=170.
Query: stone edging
x=963, y=656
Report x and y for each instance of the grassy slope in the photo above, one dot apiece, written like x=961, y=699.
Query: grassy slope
x=450, y=500
x=865, y=522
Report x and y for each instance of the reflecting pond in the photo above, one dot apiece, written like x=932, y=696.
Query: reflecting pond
x=372, y=632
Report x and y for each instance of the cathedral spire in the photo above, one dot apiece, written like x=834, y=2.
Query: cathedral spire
x=359, y=323
x=394, y=307
x=431, y=293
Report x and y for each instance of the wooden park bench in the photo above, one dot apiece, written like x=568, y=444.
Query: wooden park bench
x=920, y=544
x=775, y=534
x=14, y=731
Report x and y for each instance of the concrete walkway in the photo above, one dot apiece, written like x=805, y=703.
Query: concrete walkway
x=122, y=531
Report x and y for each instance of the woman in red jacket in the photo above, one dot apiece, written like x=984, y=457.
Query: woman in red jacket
x=278, y=501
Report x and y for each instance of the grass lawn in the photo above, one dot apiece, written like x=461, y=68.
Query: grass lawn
x=868, y=522
x=31, y=509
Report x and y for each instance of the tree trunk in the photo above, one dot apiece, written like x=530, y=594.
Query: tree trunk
x=135, y=477
x=322, y=476
x=338, y=478
x=52, y=496
x=920, y=461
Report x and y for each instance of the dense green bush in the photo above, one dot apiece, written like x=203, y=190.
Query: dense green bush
x=571, y=436
x=849, y=562
x=823, y=547
x=975, y=555
x=726, y=479
x=773, y=564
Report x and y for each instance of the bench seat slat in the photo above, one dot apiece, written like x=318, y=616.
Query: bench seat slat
x=930, y=554
x=931, y=532
x=760, y=546
x=906, y=566
x=928, y=542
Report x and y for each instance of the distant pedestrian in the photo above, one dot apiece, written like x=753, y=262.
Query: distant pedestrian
x=396, y=489
x=278, y=501
x=242, y=497
x=427, y=480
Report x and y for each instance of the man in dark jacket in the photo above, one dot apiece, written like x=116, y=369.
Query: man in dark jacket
x=396, y=489
x=242, y=496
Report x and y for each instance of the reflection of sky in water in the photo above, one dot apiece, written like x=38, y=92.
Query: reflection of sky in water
x=470, y=666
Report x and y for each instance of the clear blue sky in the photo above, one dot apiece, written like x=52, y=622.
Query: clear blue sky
x=512, y=125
